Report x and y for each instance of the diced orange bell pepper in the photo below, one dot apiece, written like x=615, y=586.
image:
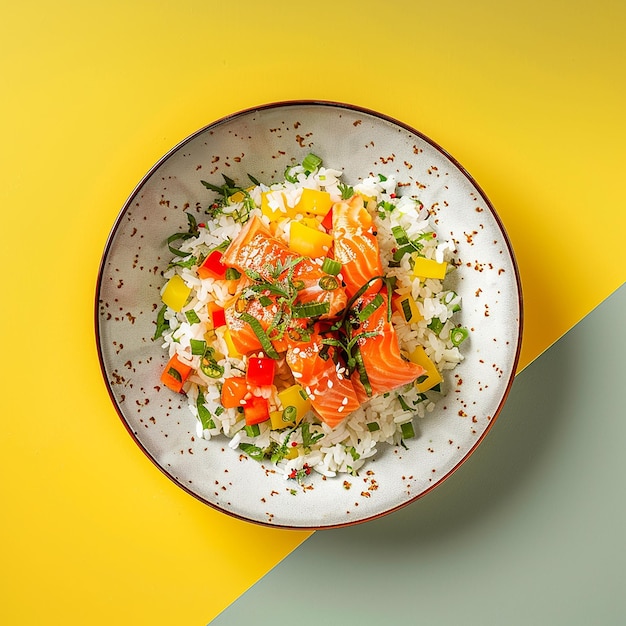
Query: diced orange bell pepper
x=233, y=392
x=175, y=374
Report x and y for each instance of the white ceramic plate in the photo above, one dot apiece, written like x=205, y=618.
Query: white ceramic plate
x=262, y=142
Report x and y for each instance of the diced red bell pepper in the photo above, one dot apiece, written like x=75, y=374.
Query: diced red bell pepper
x=327, y=222
x=212, y=266
x=233, y=392
x=261, y=371
x=256, y=410
x=218, y=317
x=175, y=374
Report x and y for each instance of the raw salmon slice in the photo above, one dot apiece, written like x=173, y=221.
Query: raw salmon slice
x=355, y=246
x=386, y=369
x=331, y=392
x=255, y=249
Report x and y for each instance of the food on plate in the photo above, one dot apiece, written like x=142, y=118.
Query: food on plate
x=308, y=320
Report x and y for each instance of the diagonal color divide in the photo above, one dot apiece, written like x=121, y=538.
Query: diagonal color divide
x=529, y=530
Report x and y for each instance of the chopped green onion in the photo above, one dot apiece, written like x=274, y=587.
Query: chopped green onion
x=368, y=310
x=422, y=379
x=402, y=250
x=311, y=162
x=451, y=300
x=373, y=426
x=458, y=336
x=289, y=414
x=264, y=340
x=252, y=430
x=192, y=317
x=436, y=388
x=288, y=176
x=328, y=283
x=408, y=432
x=382, y=178
x=436, y=325
x=198, y=346
x=265, y=301
x=330, y=266
x=310, y=309
x=403, y=404
x=353, y=453
x=400, y=235
x=232, y=274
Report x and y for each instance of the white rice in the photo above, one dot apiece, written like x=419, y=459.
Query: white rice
x=345, y=449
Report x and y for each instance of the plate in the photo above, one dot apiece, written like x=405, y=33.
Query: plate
x=262, y=142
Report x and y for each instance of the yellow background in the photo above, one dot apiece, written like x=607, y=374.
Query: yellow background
x=529, y=97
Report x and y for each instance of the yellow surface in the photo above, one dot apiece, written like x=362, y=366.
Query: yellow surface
x=529, y=97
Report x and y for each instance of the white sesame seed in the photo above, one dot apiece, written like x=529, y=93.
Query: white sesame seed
x=344, y=401
x=330, y=384
x=297, y=375
x=341, y=408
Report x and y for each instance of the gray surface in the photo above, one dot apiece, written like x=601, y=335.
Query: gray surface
x=529, y=531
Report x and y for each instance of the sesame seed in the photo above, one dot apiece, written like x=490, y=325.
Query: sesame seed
x=330, y=384
x=341, y=408
x=297, y=375
x=344, y=401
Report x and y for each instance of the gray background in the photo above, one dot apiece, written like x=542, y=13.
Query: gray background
x=530, y=530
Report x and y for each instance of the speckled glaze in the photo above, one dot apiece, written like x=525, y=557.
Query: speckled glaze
x=262, y=142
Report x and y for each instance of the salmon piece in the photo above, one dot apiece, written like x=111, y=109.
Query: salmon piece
x=386, y=369
x=255, y=249
x=332, y=394
x=242, y=335
x=355, y=246
x=310, y=273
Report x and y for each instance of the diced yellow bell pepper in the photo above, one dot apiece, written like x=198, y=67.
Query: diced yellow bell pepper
x=309, y=241
x=314, y=201
x=232, y=351
x=407, y=307
x=311, y=222
x=273, y=214
x=293, y=396
x=433, y=377
x=428, y=268
x=238, y=196
x=175, y=293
